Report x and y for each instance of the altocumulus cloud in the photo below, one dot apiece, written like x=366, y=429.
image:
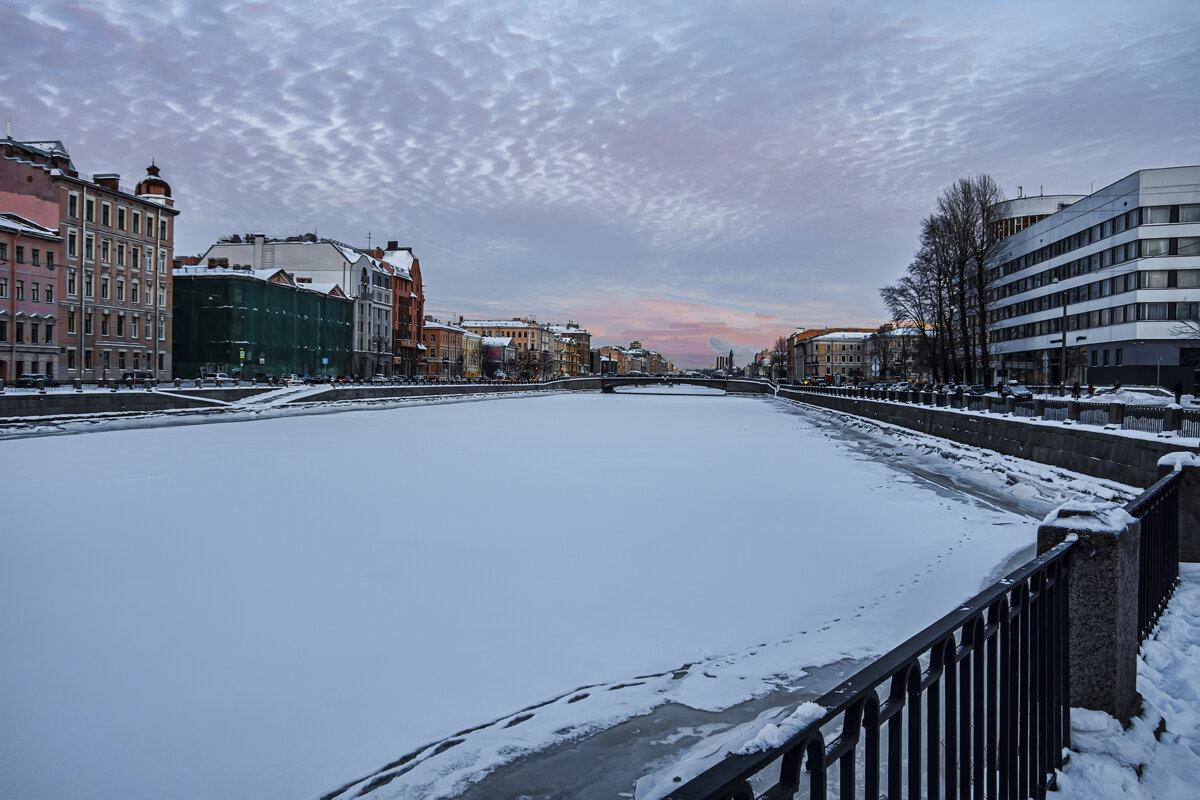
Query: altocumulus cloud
x=767, y=156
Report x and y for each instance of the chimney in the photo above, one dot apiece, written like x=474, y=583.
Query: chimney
x=109, y=180
x=257, y=257
x=393, y=244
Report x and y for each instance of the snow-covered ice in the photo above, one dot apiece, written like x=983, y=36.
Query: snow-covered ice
x=278, y=608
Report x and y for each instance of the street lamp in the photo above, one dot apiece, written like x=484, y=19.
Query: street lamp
x=1062, y=362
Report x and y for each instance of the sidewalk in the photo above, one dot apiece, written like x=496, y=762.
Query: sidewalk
x=1158, y=757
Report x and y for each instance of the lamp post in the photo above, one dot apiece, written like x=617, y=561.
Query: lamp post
x=1062, y=361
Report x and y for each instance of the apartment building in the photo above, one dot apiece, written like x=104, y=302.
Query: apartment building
x=111, y=291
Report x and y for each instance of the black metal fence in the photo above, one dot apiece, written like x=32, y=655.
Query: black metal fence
x=975, y=705
x=1157, y=509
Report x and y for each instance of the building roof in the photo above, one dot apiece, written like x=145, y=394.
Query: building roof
x=497, y=341
x=845, y=336
x=277, y=275
x=15, y=223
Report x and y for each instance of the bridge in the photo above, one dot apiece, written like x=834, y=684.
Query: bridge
x=609, y=383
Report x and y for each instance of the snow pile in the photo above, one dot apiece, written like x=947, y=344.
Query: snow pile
x=1090, y=516
x=774, y=735
x=1158, y=757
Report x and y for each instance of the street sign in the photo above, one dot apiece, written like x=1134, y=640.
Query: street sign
x=324, y=362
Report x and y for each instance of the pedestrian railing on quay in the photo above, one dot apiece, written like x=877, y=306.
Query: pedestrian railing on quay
x=976, y=705
x=1158, y=419
x=1157, y=509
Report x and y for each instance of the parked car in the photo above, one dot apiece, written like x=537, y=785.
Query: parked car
x=291, y=380
x=216, y=377
x=1016, y=391
x=265, y=377
x=138, y=377
x=30, y=379
x=977, y=389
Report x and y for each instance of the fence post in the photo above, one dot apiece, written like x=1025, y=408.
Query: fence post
x=1189, y=501
x=1103, y=636
x=1172, y=418
x=1116, y=413
x=1073, y=410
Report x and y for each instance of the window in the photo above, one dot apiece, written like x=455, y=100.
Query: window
x=35, y=291
x=121, y=218
x=104, y=250
x=87, y=285
x=120, y=289
x=71, y=358
x=71, y=283
x=135, y=253
x=19, y=335
x=1155, y=279
x=71, y=322
x=37, y=257
x=1156, y=214
x=136, y=226
x=20, y=254
x=1190, y=213
x=162, y=261
x=20, y=290
x=162, y=229
x=162, y=333
x=120, y=254
x=89, y=247
x=89, y=210
x=120, y=359
x=103, y=287
x=3, y=331
x=120, y=327
x=149, y=259
x=49, y=259
x=72, y=244
x=33, y=333
x=133, y=332
x=1188, y=246
x=49, y=292
x=3, y=287
x=3, y=251
x=104, y=324
x=1151, y=311
x=105, y=214
x=149, y=224
x=49, y=333
x=133, y=293
x=162, y=296
x=87, y=359
x=73, y=205
x=1106, y=358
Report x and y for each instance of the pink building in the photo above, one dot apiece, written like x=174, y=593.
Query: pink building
x=29, y=254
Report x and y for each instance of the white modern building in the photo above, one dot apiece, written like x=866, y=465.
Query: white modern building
x=366, y=279
x=1119, y=270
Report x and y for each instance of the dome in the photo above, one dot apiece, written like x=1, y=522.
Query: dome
x=152, y=184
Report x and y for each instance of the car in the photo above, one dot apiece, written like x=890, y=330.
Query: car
x=265, y=377
x=379, y=379
x=976, y=389
x=137, y=377
x=216, y=377
x=30, y=380
x=1016, y=391
x=291, y=380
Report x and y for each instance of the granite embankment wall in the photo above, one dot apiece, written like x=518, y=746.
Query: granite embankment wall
x=1091, y=451
x=13, y=404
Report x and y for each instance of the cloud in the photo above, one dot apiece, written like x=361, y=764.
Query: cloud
x=771, y=157
x=742, y=354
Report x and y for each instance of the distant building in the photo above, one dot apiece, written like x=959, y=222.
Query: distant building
x=534, y=343
x=256, y=322
x=444, y=357
x=576, y=353
x=499, y=356
x=364, y=277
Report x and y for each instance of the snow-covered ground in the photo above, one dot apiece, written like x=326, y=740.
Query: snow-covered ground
x=278, y=608
x=1158, y=757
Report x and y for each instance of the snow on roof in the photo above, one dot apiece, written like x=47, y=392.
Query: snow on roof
x=497, y=323
x=444, y=326
x=845, y=335
x=497, y=341
x=264, y=275
x=15, y=223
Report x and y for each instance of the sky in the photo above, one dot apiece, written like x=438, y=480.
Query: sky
x=693, y=175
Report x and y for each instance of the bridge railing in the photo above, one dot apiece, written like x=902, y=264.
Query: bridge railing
x=975, y=705
x=1157, y=510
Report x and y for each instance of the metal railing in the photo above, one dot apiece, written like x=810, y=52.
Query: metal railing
x=986, y=694
x=1157, y=509
x=1093, y=414
x=1189, y=424
x=1144, y=418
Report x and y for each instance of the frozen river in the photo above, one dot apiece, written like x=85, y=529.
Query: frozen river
x=280, y=608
